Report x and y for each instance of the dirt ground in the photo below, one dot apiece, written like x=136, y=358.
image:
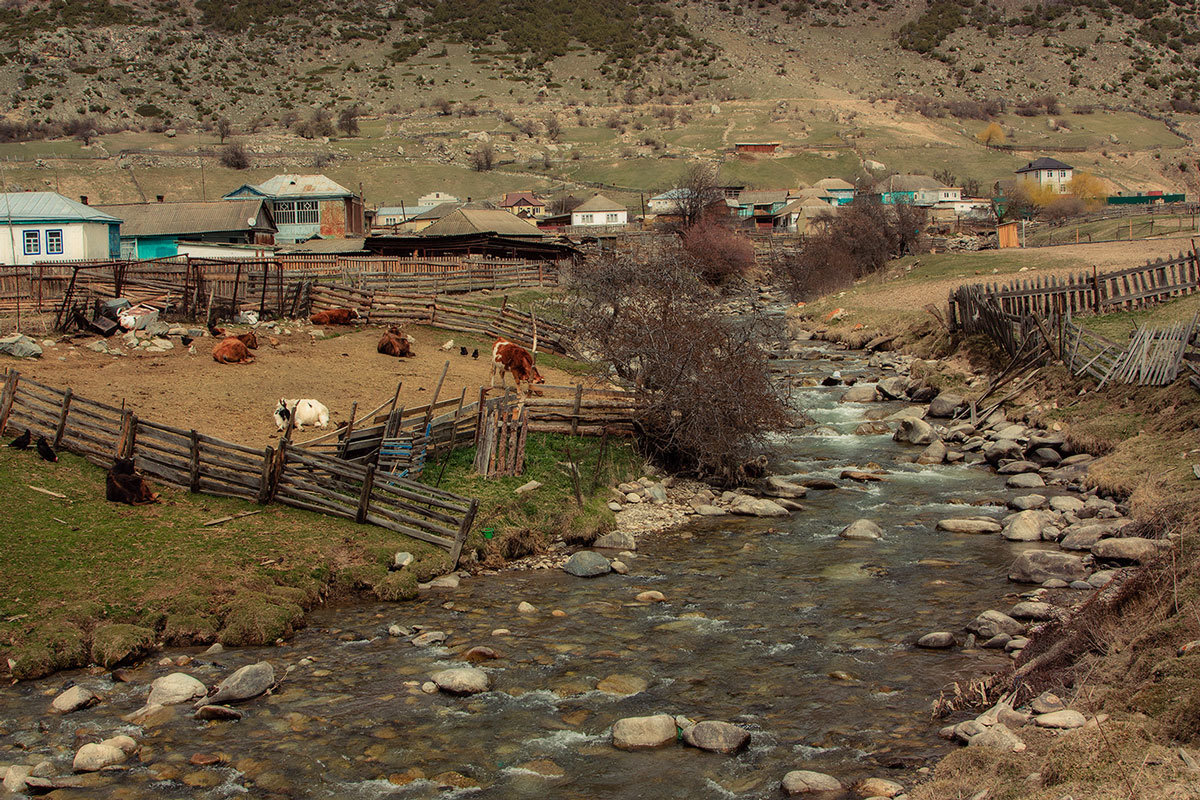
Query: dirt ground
x=236, y=401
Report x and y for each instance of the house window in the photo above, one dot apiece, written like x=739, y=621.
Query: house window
x=1062, y=173
x=33, y=243
x=611, y=219
x=54, y=243
x=585, y=219
x=297, y=212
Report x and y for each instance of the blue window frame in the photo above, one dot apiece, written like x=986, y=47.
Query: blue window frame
x=54, y=242
x=33, y=243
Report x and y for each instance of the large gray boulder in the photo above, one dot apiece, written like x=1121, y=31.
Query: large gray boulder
x=749, y=506
x=1082, y=535
x=893, y=388
x=1026, y=480
x=1002, y=450
x=1132, y=549
x=992, y=623
x=915, y=431
x=775, y=486
x=717, y=737
x=803, y=781
x=586, y=564
x=861, y=393
x=73, y=699
x=178, y=687
x=248, y=682
x=461, y=680
x=20, y=346
x=644, y=733
x=938, y=640
x=970, y=525
x=1038, y=566
x=617, y=540
x=1024, y=526
x=945, y=405
x=862, y=530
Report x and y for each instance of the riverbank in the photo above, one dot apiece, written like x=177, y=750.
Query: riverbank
x=1124, y=659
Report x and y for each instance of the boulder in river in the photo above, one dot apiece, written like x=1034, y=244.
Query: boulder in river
x=1132, y=549
x=945, y=405
x=748, y=506
x=992, y=622
x=75, y=698
x=1026, y=480
x=1024, y=526
x=775, y=486
x=861, y=393
x=717, y=737
x=915, y=431
x=1027, y=502
x=586, y=564
x=178, y=687
x=863, y=530
x=248, y=682
x=878, y=787
x=616, y=540
x=1002, y=450
x=461, y=680
x=644, y=733
x=1036, y=566
x=970, y=525
x=935, y=453
x=803, y=781
x=938, y=640
x=893, y=388
x=212, y=712
x=1032, y=609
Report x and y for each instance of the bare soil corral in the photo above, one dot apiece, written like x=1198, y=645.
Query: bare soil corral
x=236, y=401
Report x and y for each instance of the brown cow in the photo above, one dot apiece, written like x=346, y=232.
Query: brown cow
x=232, y=351
x=125, y=485
x=334, y=316
x=248, y=339
x=508, y=357
x=395, y=343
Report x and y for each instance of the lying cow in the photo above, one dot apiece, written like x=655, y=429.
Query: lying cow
x=124, y=485
x=232, y=351
x=508, y=357
x=395, y=343
x=307, y=412
x=334, y=316
x=248, y=338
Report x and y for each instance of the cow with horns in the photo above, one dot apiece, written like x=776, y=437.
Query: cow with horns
x=395, y=343
x=508, y=357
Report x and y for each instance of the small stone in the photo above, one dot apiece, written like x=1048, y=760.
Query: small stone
x=526, y=488
x=395, y=630
x=1032, y=610
x=1026, y=480
x=586, y=564
x=526, y=608
x=178, y=687
x=992, y=622
x=969, y=526
x=215, y=650
x=619, y=567
x=444, y=582
x=461, y=680
x=402, y=560
x=481, y=653
x=429, y=638
x=651, y=596
x=878, y=787
x=1047, y=703
x=214, y=712
x=93, y=757
x=204, y=759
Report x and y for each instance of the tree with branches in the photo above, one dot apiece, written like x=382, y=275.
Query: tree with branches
x=698, y=190
x=348, y=120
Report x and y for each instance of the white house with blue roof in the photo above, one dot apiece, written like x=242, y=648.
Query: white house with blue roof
x=45, y=226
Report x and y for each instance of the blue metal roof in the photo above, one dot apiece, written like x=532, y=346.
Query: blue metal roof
x=29, y=207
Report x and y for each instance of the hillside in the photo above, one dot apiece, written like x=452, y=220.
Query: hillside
x=579, y=96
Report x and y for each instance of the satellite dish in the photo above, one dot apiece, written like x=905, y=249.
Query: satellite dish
x=251, y=222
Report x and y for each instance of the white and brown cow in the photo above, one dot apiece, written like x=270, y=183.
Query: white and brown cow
x=508, y=357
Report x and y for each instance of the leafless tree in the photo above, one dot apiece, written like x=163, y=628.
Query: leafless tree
x=702, y=378
x=348, y=120
x=698, y=190
x=224, y=128
x=483, y=158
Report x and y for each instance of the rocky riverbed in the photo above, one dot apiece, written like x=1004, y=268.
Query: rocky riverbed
x=748, y=652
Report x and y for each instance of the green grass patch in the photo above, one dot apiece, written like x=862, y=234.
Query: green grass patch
x=85, y=579
x=1142, y=226
x=524, y=524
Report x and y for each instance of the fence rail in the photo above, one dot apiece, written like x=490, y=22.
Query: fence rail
x=290, y=474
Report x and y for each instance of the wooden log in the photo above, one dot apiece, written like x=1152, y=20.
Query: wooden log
x=364, y=497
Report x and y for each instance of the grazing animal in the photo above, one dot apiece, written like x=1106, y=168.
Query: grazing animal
x=22, y=441
x=232, y=351
x=508, y=357
x=248, y=339
x=462, y=351
x=334, y=316
x=449, y=345
x=307, y=412
x=46, y=451
x=124, y=485
x=395, y=343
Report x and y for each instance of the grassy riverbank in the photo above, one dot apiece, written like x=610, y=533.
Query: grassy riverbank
x=87, y=581
x=1119, y=656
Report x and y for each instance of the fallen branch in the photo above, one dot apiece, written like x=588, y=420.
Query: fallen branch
x=47, y=491
x=232, y=517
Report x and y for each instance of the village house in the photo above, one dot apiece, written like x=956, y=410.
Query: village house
x=419, y=222
x=1048, y=172
x=757, y=148
x=919, y=190
x=760, y=207
x=598, y=210
x=392, y=216
x=464, y=221
x=45, y=226
x=436, y=198
x=305, y=206
x=810, y=209
x=158, y=230
x=841, y=191
x=523, y=204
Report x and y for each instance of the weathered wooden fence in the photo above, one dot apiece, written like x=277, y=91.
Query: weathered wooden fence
x=500, y=449
x=289, y=474
x=386, y=306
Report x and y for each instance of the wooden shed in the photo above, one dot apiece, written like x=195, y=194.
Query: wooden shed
x=1008, y=235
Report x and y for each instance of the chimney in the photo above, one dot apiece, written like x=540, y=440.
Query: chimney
x=83, y=199
x=159, y=197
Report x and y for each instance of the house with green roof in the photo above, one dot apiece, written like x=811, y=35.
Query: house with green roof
x=45, y=226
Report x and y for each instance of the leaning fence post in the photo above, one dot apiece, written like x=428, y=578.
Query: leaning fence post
x=463, y=530
x=194, y=463
x=264, y=485
x=575, y=412
x=10, y=394
x=364, y=497
x=62, y=418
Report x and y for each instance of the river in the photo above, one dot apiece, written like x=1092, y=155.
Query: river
x=803, y=638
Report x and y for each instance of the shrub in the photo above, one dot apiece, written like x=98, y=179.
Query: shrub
x=234, y=156
x=718, y=255
x=317, y=125
x=483, y=159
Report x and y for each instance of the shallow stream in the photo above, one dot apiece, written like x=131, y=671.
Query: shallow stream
x=780, y=626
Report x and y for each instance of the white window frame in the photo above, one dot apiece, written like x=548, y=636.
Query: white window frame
x=585, y=219
x=31, y=243
x=51, y=236
x=611, y=219
x=297, y=212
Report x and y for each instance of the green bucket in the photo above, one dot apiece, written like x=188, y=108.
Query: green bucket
x=488, y=533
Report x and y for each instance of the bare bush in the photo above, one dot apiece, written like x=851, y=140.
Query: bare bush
x=315, y=126
x=483, y=158
x=234, y=156
x=1064, y=207
x=717, y=254
x=702, y=379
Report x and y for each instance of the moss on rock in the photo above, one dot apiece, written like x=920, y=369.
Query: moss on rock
x=251, y=619
x=117, y=642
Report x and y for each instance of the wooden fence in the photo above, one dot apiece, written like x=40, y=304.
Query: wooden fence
x=389, y=307
x=1083, y=293
x=289, y=474
x=500, y=449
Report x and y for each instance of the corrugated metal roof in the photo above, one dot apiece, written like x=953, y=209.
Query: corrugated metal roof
x=408, y=212
x=760, y=198
x=909, y=183
x=438, y=211
x=24, y=207
x=334, y=246
x=598, y=202
x=834, y=185
x=297, y=186
x=481, y=220
x=1044, y=163
x=169, y=219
